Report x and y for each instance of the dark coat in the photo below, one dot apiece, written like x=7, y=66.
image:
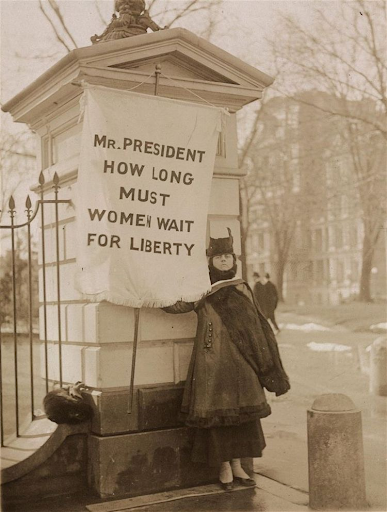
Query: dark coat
x=267, y=297
x=225, y=383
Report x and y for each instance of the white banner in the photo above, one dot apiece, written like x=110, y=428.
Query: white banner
x=144, y=183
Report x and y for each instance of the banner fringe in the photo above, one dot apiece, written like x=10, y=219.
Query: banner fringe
x=133, y=303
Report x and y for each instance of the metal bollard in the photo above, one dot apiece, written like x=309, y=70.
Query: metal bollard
x=378, y=367
x=335, y=454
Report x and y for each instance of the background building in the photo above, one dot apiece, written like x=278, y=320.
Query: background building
x=313, y=195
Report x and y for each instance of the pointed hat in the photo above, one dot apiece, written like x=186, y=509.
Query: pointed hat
x=221, y=245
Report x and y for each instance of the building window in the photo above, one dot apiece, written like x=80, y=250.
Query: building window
x=318, y=240
x=255, y=242
x=326, y=239
x=308, y=239
x=339, y=237
x=354, y=270
x=294, y=150
x=294, y=270
x=344, y=206
x=319, y=271
x=340, y=271
x=292, y=116
x=308, y=271
x=353, y=236
x=296, y=177
x=252, y=214
x=261, y=241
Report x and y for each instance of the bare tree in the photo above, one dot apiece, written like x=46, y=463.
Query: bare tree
x=369, y=160
x=246, y=190
x=17, y=157
x=167, y=13
x=269, y=192
x=345, y=56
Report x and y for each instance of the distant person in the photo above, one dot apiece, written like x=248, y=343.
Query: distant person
x=271, y=300
x=266, y=295
x=259, y=291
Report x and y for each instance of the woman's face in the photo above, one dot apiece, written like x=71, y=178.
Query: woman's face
x=223, y=261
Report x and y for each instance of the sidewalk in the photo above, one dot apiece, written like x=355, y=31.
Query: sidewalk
x=319, y=362
x=267, y=496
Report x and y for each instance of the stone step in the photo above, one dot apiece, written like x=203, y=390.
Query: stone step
x=17, y=449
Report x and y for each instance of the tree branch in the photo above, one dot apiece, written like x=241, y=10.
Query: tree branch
x=59, y=38
x=55, y=8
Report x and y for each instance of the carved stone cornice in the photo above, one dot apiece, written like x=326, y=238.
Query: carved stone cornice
x=192, y=63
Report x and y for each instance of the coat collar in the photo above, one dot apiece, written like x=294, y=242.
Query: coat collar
x=222, y=284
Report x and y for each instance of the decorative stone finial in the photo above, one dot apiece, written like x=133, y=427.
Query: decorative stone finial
x=132, y=20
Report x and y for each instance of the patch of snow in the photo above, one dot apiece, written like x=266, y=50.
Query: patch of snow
x=381, y=326
x=306, y=327
x=328, y=347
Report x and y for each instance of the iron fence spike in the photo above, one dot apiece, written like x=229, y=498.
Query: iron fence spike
x=41, y=178
x=11, y=203
x=28, y=203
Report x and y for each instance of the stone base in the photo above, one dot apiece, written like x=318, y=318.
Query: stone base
x=154, y=407
x=143, y=463
x=146, y=451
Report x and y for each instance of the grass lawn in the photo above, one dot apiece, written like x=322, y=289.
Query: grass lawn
x=355, y=316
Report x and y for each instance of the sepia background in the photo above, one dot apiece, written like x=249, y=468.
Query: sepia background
x=313, y=202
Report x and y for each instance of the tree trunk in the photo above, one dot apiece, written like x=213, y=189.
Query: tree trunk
x=243, y=220
x=243, y=257
x=366, y=267
x=279, y=276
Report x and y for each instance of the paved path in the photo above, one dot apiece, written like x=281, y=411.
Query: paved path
x=313, y=372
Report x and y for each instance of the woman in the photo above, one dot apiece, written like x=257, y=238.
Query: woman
x=235, y=356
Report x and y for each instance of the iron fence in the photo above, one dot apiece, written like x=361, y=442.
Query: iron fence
x=15, y=301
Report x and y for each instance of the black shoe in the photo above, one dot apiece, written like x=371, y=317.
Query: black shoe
x=228, y=486
x=246, y=482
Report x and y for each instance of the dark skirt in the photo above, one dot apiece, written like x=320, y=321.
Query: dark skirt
x=212, y=446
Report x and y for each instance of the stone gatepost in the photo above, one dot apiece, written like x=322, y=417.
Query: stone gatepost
x=147, y=450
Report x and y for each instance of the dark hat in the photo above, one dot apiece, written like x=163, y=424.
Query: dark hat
x=255, y=274
x=267, y=275
x=221, y=245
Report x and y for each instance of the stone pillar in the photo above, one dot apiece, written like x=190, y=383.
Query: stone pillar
x=335, y=454
x=130, y=452
x=378, y=367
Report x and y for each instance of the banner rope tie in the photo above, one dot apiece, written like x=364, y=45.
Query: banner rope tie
x=138, y=85
x=86, y=85
x=189, y=90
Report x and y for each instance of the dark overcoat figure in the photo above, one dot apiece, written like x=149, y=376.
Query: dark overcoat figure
x=266, y=294
x=235, y=356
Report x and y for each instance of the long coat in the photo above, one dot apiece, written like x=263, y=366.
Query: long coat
x=267, y=297
x=223, y=385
